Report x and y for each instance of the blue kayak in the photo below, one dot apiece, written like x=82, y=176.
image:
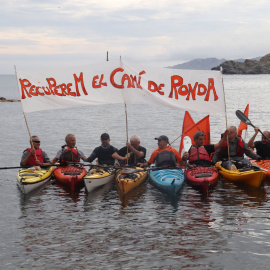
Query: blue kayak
x=168, y=181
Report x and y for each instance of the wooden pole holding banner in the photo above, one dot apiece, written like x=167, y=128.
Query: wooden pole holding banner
x=124, y=96
x=31, y=142
x=226, y=121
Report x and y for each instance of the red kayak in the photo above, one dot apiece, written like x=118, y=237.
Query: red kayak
x=203, y=178
x=70, y=176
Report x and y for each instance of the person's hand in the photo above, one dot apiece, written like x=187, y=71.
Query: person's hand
x=185, y=156
x=256, y=129
x=259, y=158
x=32, y=152
x=226, y=132
x=39, y=163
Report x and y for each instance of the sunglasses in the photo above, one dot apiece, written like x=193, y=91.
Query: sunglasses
x=36, y=141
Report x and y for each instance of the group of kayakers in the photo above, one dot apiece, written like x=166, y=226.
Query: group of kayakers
x=230, y=150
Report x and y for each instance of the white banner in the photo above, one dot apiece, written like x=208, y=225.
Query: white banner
x=121, y=82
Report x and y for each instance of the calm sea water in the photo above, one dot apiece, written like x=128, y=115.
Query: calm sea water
x=51, y=229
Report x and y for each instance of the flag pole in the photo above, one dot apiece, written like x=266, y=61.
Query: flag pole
x=124, y=95
x=226, y=119
x=31, y=141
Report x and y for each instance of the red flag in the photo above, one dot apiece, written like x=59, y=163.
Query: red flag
x=242, y=125
x=188, y=122
x=203, y=125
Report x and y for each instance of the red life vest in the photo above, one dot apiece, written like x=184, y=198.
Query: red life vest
x=32, y=159
x=69, y=154
x=239, y=152
x=199, y=153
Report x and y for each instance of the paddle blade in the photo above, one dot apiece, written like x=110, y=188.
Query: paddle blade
x=243, y=117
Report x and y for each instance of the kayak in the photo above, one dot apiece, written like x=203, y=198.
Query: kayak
x=248, y=176
x=97, y=177
x=202, y=177
x=264, y=165
x=169, y=181
x=32, y=178
x=70, y=176
x=129, y=178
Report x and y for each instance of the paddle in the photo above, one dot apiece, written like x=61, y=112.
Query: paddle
x=245, y=120
x=23, y=167
x=149, y=169
x=186, y=147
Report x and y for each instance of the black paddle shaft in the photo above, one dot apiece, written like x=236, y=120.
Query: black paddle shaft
x=245, y=120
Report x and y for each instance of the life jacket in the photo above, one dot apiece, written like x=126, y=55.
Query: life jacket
x=239, y=152
x=69, y=154
x=165, y=158
x=199, y=153
x=32, y=159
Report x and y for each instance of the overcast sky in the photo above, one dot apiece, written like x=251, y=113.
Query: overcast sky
x=56, y=33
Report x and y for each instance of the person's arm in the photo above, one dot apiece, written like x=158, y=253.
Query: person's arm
x=150, y=161
x=215, y=158
x=251, y=141
x=92, y=157
x=250, y=153
x=54, y=160
x=135, y=151
x=26, y=156
x=222, y=141
x=46, y=159
x=115, y=155
x=177, y=155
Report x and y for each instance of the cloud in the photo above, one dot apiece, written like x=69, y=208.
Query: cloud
x=162, y=32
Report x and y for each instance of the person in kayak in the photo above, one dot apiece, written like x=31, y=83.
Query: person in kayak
x=134, y=152
x=164, y=155
x=34, y=156
x=69, y=152
x=237, y=149
x=104, y=152
x=200, y=154
x=263, y=146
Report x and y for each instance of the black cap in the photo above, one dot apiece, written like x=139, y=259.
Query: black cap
x=105, y=136
x=163, y=137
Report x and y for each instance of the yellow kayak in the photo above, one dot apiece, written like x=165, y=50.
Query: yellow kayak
x=97, y=177
x=32, y=178
x=129, y=178
x=249, y=177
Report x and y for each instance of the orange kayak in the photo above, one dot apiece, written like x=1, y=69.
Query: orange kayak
x=264, y=165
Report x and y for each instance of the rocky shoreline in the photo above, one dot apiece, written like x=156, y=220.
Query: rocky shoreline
x=2, y=99
x=247, y=67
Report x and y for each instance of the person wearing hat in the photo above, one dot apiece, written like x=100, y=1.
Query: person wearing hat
x=164, y=155
x=104, y=152
x=133, y=150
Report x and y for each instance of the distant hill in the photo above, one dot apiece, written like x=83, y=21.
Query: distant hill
x=206, y=64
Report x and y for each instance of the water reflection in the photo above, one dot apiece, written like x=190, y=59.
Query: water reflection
x=133, y=196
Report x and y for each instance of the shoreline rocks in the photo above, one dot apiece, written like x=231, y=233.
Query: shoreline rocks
x=2, y=99
x=247, y=67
